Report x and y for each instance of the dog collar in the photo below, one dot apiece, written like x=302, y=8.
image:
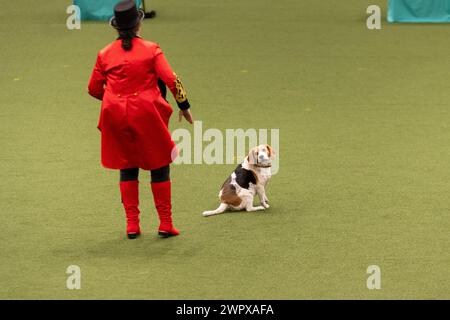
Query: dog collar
x=263, y=165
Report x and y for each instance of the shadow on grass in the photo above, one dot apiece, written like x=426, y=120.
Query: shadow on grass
x=146, y=246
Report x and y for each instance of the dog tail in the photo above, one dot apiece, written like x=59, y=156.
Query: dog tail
x=220, y=209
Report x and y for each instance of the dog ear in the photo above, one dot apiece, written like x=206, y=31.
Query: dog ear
x=252, y=156
x=271, y=152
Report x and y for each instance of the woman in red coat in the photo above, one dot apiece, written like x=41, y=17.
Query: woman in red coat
x=134, y=117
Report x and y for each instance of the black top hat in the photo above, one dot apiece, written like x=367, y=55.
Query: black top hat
x=126, y=15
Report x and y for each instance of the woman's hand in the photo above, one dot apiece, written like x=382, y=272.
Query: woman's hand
x=186, y=114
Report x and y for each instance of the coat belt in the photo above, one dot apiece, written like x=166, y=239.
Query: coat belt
x=128, y=94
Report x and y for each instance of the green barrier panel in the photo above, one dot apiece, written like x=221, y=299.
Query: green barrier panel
x=419, y=11
x=98, y=9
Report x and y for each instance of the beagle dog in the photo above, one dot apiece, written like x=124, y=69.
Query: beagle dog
x=247, y=180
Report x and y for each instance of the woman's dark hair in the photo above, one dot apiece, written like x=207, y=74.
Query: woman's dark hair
x=127, y=37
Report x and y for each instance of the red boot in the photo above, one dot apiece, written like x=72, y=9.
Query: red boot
x=130, y=200
x=162, y=199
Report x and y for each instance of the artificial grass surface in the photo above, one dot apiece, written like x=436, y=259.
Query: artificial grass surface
x=363, y=118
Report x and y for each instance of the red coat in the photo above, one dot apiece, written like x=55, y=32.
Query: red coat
x=134, y=117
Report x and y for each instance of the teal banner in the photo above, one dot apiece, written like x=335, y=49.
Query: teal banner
x=98, y=9
x=419, y=11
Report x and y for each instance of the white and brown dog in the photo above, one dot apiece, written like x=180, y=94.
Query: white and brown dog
x=247, y=180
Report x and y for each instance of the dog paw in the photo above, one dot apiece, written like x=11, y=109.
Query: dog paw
x=265, y=205
x=259, y=208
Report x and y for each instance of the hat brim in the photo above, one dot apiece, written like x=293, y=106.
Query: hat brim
x=113, y=22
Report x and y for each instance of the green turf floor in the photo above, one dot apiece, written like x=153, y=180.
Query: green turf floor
x=364, y=156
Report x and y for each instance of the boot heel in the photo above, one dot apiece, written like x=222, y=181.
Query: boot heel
x=164, y=234
x=132, y=235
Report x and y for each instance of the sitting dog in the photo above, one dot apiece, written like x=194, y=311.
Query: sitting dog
x=247, y=180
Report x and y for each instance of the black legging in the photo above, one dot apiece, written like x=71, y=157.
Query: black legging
x=157, y=175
